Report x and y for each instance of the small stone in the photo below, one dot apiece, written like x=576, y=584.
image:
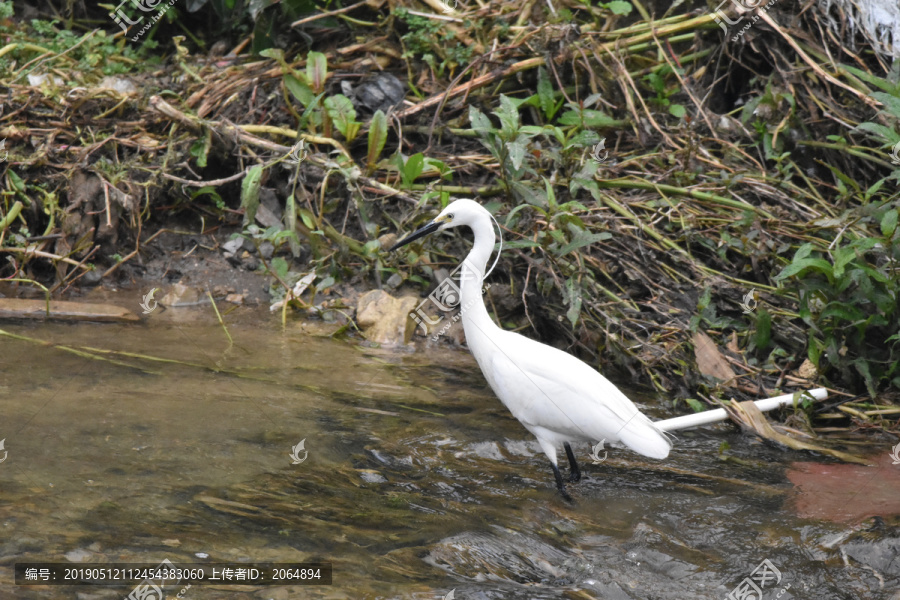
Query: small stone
x=279, y=593
x=266, y=250
x=180, y=295
x=807, y=370
x=39, y=80
x=387, y=240
x=171, y=543
x=234, y=298
x=232, y=246
x=119, y=84
x=370, y=476
x=79, y=555
x=394, y=281
x=92, y=277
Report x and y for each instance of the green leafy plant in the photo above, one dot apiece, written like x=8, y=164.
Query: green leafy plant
x=416, y=165
x=341, y=112
x=657, y=82
x=308, y=88
x=428, y=40
x=849, y=299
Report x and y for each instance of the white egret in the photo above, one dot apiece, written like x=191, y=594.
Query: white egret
x=557, y=397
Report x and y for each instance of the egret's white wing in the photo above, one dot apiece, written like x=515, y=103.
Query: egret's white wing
x=548, y=388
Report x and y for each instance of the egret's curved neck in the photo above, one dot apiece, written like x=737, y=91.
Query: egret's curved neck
x=474, y=266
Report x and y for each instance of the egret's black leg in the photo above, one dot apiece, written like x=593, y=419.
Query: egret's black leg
x=574, y=471
x=560, y=485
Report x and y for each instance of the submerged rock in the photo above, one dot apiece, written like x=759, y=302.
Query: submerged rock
x=385, y=319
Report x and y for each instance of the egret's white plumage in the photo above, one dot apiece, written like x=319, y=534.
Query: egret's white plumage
x=557, y=397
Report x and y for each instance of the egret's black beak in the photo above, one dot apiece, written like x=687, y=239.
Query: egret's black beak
x=429, y=227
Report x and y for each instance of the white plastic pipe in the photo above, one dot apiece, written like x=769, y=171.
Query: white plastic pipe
x=719, y=414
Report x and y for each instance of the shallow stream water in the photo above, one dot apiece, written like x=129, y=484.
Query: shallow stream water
x=415, y=481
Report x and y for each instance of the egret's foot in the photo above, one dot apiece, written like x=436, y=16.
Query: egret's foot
x=574, y=471
x=560, y=485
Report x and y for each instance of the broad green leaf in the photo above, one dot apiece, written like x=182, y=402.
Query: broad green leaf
x=480, y=122
x=816, y=264
x=377, y=137
x=290, y=223
x=585, y=138
x=433, y=164
x=551, y=195
x=619, y=7
x=200, y=149
x=529, y=193
x=891, y=103
x=516, y=153
x=875, y=274
x=254, y=7
x=250, y=193
x=547, y=95
x=412, y=168
x=842, y=256
x=583, y=239
x=763, y=333
x=588, y=118
x=342, y=113
x=209, y=190
x=316, y=71
x=889, y=223
x=299, y=90
x=886, y=134
x=814, y=351
x=677, y=110
x=307, y=219
x=803, y=251
x=573, y=299
x=279, y=266
x=695, y=404
x=508, y=113
x=521, y=243
x=841, y=310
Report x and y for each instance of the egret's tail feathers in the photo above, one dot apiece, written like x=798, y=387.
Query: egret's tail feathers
x=644, y=438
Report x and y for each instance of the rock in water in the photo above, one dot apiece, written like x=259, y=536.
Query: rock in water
x=385, y=319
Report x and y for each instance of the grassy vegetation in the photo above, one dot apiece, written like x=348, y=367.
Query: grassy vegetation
x=650, y=175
